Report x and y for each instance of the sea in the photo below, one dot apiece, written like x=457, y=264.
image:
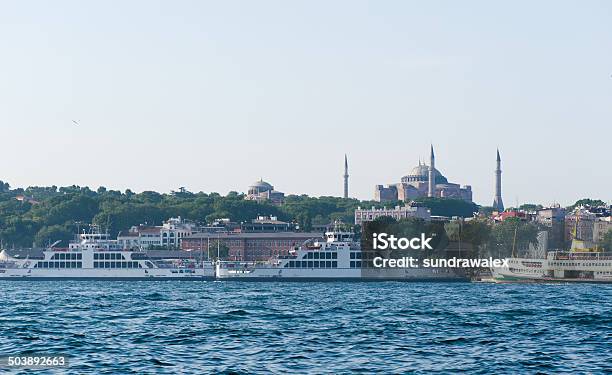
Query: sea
x=220, y=327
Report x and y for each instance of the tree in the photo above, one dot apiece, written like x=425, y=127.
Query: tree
x=530, y=207
x=449, y=207
x=588, y=202
x=512, y=235
x=50, y=234
x=4, y=187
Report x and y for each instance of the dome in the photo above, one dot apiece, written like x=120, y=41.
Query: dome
x=421, y=173
x=421, y=170
x=260, y=186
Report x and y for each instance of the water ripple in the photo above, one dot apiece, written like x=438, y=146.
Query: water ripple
x=213, y=327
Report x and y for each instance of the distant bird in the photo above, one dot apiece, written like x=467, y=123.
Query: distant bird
x=75, y=122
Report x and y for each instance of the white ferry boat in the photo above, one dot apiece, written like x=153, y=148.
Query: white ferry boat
x=580, y=264
x=95, y=256
x=339, y=257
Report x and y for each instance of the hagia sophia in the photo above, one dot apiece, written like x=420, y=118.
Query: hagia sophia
x=417, y=184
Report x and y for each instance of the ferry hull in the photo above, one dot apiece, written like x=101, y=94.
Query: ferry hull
x=98, y=274
x=404, y=275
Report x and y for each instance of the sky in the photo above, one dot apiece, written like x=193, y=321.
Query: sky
x=213, y=95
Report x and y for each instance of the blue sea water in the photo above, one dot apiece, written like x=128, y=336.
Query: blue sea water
x=174, y=327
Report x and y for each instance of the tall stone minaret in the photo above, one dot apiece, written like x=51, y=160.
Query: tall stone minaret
x=346, y=176
x=432, y=176
x=498, y=204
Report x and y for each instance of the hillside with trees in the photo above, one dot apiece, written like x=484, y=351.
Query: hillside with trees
x=40, y=215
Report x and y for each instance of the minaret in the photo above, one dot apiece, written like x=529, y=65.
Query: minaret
x=432, y=177
x=498, y=204
x=346, y=176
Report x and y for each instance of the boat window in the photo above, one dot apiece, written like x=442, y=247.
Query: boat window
x=310, y=264
x=334, y=255
x=352, y=255
x=304, y=264
x=328, y=264
x=334, y=264
x=316, y=255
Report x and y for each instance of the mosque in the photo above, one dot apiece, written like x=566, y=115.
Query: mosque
x=423, y=181
x=262, y=191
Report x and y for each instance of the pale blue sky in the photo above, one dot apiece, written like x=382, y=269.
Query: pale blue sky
x=214, y=95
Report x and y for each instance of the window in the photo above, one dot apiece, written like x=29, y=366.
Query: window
x=316, y=256
x=316, y=264
x=310, y=264
x=304, y=264
x=334, y=264
x=352, y=256
x=106, y=264
x=62, y=264
x=334, y=255
x=328, y=264
x=352, y=264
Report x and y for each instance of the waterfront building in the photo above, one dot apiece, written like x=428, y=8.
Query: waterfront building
x=553, y=219
x=267, y=224
x=422, y=181
x=581, y=222
x=248, y=246
x=262, y=191
x=398, y=213
x=601, y=226
x=168, y=235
